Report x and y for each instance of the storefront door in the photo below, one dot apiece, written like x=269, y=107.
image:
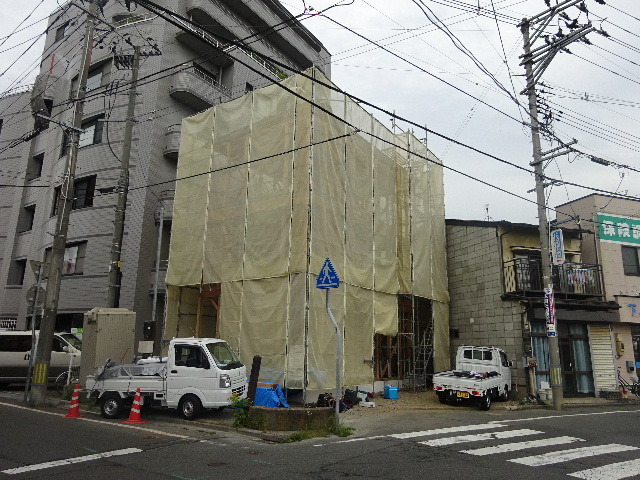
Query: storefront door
x=575, y=357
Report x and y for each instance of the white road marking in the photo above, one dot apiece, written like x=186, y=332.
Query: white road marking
x=571, y=454
x=69, y=461
x=614, y=471
x=104, y=422
x=512, y=447
x=552, y=417
x=479, y=437
x=439, y=431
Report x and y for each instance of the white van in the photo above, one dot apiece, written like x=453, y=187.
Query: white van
x=15, y=352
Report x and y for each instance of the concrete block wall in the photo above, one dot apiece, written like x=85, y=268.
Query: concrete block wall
x=478, y=315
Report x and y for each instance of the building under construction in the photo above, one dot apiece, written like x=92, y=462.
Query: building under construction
x=269, y=186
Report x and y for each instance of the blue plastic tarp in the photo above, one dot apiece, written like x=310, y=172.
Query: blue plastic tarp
x=270, y=397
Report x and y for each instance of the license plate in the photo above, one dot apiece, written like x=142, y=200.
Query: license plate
x=463, y=394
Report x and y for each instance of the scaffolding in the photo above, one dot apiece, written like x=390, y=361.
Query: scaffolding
x=271, y=186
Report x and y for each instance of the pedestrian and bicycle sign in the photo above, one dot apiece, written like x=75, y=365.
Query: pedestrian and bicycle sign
x=328, y=278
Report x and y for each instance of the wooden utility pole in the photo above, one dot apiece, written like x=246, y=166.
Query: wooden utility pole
x=541, y=57
x=115, y=277
x=65, y=203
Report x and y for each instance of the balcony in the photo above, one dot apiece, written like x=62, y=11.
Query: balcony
x=197, y=89
x=172, y=141
x=523, y=277
x=201, y=43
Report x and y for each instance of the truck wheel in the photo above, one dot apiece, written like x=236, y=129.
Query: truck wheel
x=485, y=402
x=111, y=405
x=442, y=397
x=190, y=407
x=505, y=395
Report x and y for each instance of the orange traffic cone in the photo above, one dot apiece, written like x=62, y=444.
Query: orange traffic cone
x=74, y=406
x=134, y=415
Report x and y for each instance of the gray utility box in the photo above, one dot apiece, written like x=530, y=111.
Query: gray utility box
x=108, y=333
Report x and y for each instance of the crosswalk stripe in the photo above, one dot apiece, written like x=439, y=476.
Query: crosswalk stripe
x=571, y=454
x=512, y=447
x=440, y=442
x=614, y=471
x=439, y=431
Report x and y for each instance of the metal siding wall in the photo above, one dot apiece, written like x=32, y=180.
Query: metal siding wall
x=604, y=373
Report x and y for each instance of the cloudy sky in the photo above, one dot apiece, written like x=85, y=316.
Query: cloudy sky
x=453, y=66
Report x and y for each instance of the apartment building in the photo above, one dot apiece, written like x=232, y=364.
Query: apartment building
x=180, y=75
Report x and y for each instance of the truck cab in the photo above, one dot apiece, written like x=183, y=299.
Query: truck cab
x=205, y=367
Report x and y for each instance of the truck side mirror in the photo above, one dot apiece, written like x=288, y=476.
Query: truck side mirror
x=509, y=363
x=66, y=349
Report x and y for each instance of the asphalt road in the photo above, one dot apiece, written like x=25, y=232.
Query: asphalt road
x=601, y=443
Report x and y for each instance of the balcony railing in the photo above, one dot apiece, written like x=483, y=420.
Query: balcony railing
x=197, y=88
x=524, y=276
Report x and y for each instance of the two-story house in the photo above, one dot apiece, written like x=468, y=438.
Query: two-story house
x=614, y=242
x=497, y=299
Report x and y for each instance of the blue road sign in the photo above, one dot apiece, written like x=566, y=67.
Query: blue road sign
x=328, y=278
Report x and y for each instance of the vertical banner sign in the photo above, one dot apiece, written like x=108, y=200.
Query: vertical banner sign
x=557, y=247
x=550, y=308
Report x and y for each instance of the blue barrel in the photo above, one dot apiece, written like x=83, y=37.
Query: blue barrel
x=391, y=393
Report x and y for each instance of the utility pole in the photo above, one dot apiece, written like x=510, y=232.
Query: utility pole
x=535, y=62
x=115, y=277
x=65, y=202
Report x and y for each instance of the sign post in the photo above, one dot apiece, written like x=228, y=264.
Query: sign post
x=328, y=279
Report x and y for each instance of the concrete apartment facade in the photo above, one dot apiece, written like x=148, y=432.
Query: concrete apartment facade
x=612, y=238
x=193, y=77
x=497, y=299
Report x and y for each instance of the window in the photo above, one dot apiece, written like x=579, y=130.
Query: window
x=1, y=122
x=83, y=193
x=34, y=167
x=94, y=80
x=477, y=354
x=73, y=259
x=225, y=358
x=15, y=343
x=17, y=271
x=25, y=223
x=630, y=261
x=190, y=356
x=503, y=359
x=98, y=76
x=61, y=31
x=92, y=132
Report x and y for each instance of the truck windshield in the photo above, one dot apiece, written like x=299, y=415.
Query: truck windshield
x=72, y=340
x=224, y=356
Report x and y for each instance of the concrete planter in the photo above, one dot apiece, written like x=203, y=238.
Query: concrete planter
x=290, y=419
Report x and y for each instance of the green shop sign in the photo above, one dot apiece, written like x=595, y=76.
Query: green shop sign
x=613, y=228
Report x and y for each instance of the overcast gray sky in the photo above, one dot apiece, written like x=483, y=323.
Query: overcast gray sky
x=593, y=93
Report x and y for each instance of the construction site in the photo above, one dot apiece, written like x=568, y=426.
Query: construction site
x=269, y=186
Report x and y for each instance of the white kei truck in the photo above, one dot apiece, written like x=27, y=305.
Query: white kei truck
x=198, y=373
x=482, y=374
